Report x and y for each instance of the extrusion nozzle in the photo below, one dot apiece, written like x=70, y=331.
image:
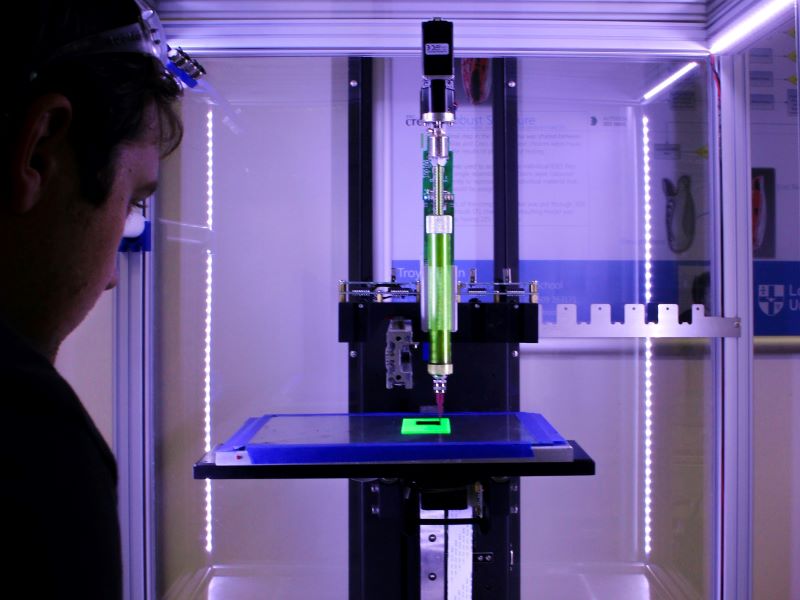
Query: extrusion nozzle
x=439, y=389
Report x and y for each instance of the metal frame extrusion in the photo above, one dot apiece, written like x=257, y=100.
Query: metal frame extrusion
x=133, y=319
x=132, y=422
x=736, y=436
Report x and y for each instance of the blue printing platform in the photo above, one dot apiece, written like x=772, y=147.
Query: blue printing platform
x=377, y=437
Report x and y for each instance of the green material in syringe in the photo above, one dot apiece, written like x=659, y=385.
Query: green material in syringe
x=438, y=257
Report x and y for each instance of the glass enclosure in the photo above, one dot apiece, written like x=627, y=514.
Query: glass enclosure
x=251, y=238
x=616, y=206
x=772, y=69
x=593, y=231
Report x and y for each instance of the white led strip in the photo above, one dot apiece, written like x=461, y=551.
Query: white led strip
x=648, y=344
x=656, y=89
x=648, y=217
x=749, y=24
x=210, y=171
x=648, y=444
x=209, y=281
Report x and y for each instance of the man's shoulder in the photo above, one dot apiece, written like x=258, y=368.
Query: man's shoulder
x=39, y=409
x=31, y=386
x=22, y=367
x=60, y=483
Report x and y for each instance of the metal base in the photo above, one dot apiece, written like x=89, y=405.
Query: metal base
x=392, y=556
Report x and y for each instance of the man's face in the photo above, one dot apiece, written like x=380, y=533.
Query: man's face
x=89, y=265
x=57, y=248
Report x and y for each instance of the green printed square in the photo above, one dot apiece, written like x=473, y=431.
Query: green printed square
x=425, y=425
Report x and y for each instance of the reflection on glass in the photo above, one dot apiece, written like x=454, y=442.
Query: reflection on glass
x=771, y=62
x=643, y=527
x=615, y=191
x=243, y=328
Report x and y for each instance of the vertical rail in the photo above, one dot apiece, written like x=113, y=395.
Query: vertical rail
x=506, y=198
x=130, y=431
x=359, y=125
x=359, y=232
x=506, y=256
x=736, y=466
x=375, y=552
x=505, y=167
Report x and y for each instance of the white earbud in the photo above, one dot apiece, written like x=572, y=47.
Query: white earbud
x=134, y=225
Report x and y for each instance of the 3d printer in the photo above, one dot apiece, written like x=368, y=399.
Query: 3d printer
x=434, y=495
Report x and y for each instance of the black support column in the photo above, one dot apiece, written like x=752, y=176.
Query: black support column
x=504, y=152
x=504, y=582
x=377, y=544
x=506, y=198
x=359, y=125
x=359, y=221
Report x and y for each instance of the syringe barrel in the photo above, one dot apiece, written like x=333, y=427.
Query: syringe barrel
x=439, y=291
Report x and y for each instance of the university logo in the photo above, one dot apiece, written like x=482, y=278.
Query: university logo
x=771, y=299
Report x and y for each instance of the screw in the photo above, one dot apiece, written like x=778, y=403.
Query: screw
x=360, y=306
x=514, y=487
x=514, y=509
x=515, y=353
x=480, y=557
x=488, y=558
x=374, y=488
x=353, y=353
x=353, y=83
x=512, y=84
x=376, y=510
x=432, y=576
x=431, y=538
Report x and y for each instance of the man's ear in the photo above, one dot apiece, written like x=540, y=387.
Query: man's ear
x=38, y=150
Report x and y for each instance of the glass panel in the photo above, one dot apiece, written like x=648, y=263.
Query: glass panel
x=583, y=225
x=772, y=69
x=590, y=232
x=251, y=236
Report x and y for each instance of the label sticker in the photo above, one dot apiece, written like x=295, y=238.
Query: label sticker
x=438, y=224
x=437, y=49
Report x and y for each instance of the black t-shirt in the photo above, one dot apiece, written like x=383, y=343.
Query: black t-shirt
x=59, y=528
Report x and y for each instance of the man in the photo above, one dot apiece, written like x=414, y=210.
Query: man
x=87, y=114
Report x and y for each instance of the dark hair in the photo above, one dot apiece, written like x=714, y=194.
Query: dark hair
x=110, y=93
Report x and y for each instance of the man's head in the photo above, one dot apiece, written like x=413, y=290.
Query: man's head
x=82, y=135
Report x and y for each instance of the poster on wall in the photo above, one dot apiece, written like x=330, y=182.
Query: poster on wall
x=776, y=278
x=763, y=207
x=777, y=282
